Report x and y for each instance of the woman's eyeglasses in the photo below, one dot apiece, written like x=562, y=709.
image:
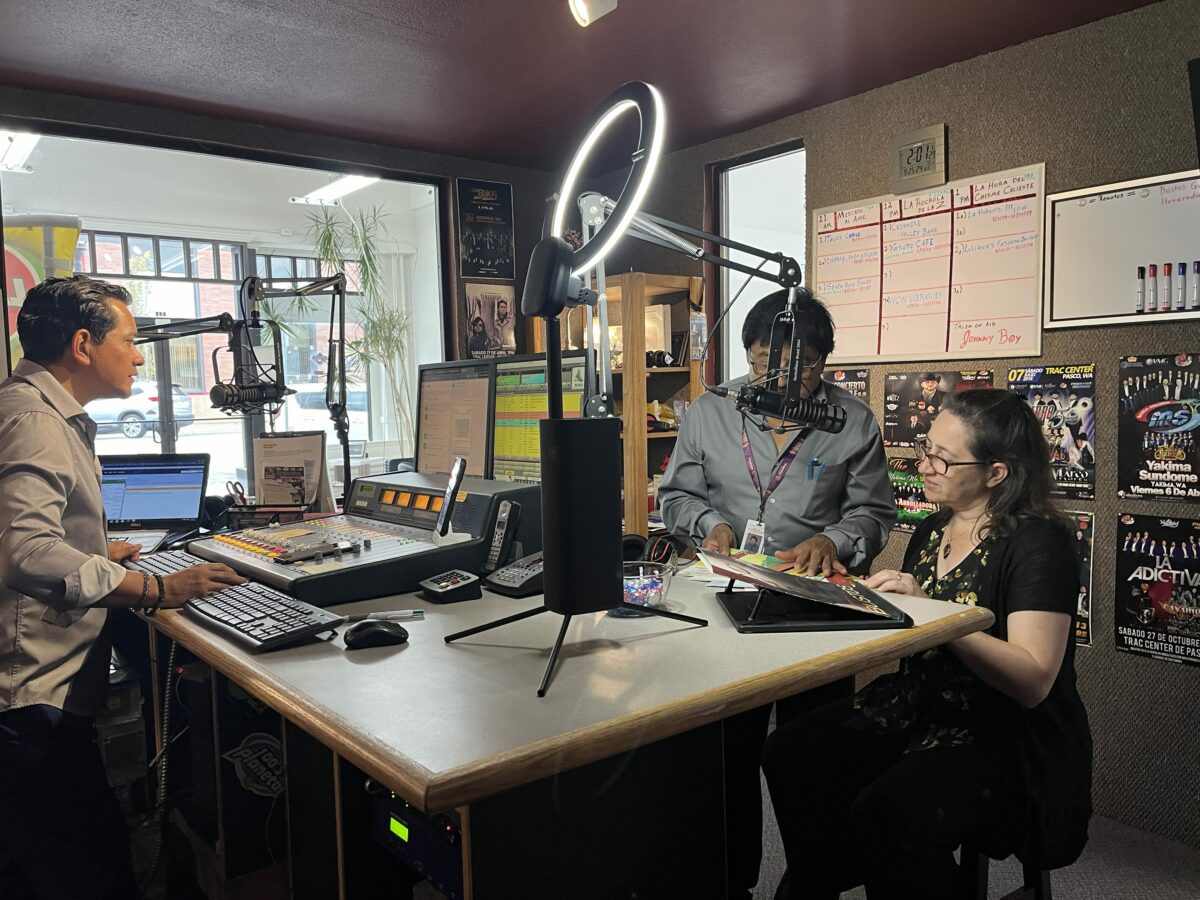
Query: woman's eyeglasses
x=939, y=465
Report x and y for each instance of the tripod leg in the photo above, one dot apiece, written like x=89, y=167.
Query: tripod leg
x=562, y=633
x=666, y=614
x=490, y=625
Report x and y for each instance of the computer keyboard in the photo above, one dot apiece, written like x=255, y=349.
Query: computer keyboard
x=257, y=616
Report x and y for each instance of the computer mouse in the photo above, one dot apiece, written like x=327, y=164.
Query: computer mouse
x=375, y=633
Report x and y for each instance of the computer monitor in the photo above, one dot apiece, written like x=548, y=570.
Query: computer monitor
x=521, y=402
x=153, y=490
x=454, y=412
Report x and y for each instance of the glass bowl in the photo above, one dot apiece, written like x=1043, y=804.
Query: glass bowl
x=646, y=584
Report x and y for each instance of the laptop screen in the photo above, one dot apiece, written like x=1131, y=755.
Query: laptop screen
x=153, y=490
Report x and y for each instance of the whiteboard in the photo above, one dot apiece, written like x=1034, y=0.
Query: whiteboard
x=953, y=272
x=1098, y=237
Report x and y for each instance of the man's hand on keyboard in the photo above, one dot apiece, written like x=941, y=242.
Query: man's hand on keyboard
x=119, y=551
x=198, y=581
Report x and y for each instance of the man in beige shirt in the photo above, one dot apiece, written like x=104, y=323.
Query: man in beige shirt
x=60, y=824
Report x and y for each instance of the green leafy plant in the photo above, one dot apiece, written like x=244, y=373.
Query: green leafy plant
x=348, y=242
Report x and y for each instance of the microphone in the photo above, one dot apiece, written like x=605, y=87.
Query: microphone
x=806, y=412
x=234, y=398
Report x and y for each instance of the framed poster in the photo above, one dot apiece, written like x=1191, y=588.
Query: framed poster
x=1081, y=538
x=912, y=399
x=856, y=381
x=491, y=320
x=1064, y=400
x=485, y=230
x=909, y=487
x=1157, y=427
x=1157, y=608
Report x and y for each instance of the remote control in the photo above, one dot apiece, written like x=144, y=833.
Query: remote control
x=451, y=587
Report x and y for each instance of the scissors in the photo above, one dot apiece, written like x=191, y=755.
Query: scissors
x=238, y=490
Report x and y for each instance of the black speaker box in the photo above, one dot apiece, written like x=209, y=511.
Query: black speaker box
x=581, y=514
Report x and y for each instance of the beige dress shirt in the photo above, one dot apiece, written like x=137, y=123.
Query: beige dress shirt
x=54, y=565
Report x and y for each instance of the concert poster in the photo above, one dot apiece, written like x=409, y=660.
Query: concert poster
x=1064, y=400
x=909, y=487
x=1081, y=539
x=855, y=381
x=485, y=229
x=1158, y=425
x=912, y=399
x=1156, y=611
x=491, y=320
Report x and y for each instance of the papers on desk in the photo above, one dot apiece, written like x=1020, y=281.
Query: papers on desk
x=290, y=470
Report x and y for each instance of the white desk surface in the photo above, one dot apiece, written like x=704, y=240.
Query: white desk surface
x=446, y=724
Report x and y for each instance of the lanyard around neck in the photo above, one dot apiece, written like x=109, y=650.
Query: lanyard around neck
x=781, y=467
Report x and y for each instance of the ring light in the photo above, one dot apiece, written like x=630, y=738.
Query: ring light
x=648, y=102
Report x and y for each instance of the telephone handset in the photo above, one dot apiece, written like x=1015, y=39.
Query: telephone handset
x=507, y=517
x=519, y=579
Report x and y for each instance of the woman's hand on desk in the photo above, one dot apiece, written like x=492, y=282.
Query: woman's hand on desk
x=198, y=581
x=895, y=582
x=719, y=540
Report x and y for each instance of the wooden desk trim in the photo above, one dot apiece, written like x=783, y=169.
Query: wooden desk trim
x=466, y=784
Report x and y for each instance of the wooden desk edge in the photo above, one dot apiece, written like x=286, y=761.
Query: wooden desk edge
x=466, y=784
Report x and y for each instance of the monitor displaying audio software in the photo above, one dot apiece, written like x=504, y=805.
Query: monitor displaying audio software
x=521, y=403
x=454, y=414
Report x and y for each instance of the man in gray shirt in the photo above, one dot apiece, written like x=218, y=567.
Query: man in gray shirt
x=60, y=825
x=822, y=500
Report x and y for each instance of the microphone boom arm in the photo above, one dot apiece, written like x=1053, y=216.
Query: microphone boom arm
x=757, y=397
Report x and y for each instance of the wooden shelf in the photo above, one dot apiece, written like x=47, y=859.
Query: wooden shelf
x=633, y=291
x=657, y=370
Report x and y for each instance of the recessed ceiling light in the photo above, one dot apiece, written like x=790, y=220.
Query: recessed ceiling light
x=335, y=190
x=588, y=11
x=15, y=147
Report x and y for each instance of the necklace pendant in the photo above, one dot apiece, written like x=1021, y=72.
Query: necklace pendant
x=946, y=550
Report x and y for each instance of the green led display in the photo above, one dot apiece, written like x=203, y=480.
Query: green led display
x=399, y=829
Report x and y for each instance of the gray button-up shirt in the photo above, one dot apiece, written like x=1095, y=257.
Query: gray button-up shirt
x=837, y=486
x=54, y=646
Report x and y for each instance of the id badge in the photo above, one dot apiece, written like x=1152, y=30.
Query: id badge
x=753, y=537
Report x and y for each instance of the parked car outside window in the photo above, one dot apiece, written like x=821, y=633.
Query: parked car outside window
x=136, y=414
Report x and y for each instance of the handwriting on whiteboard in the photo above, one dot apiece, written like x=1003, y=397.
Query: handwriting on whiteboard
x=953, y=270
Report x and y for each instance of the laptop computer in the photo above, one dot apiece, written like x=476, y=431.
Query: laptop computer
x=150, y=496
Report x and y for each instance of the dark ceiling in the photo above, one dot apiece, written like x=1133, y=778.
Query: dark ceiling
x=508, y=81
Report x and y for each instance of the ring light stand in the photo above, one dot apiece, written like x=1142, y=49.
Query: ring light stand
x=581, y=458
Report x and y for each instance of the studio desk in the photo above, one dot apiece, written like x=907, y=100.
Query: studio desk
x=608, y=787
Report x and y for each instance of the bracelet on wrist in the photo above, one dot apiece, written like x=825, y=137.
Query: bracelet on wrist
x=145, y=591
x=162, y=594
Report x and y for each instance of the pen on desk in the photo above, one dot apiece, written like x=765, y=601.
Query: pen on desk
x=389, y=616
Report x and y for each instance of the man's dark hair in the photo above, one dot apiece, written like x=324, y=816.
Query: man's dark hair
x=58, y=307
x=813, y=316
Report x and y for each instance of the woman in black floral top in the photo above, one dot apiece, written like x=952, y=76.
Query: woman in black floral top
x=983, y=739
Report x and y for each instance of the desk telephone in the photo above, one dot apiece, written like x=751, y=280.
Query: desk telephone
x=519, y=579
x=456, y=584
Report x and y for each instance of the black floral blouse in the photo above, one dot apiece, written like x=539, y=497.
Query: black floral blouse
x=933, y=697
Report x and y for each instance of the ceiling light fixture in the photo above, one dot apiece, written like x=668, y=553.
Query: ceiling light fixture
x=588, y=11
x=15, y=147
x=335, y=190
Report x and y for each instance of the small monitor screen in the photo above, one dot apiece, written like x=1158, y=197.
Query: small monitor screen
x=453, y=411
x=153, y=488
x=521, y=403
